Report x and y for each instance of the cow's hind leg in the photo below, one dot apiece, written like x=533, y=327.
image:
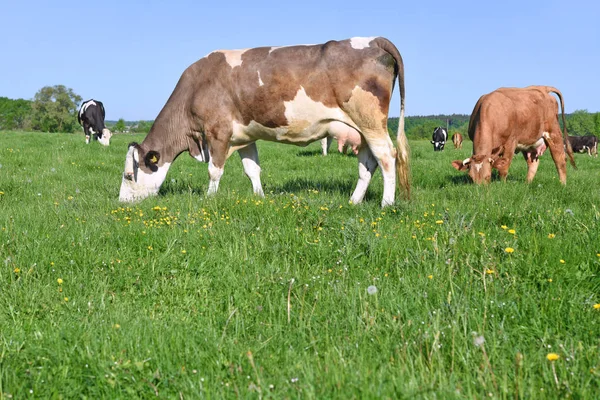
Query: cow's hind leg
x=383, y=151
x=557, y=151
x=367, y=164
x=249, y=155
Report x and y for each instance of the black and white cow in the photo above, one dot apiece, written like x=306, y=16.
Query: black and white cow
x=582, y=144
x=91, y=117
x=438, y=139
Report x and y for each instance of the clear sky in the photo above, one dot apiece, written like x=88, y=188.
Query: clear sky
x=130, y=54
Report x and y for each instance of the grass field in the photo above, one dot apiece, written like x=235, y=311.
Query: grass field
x=183, y=296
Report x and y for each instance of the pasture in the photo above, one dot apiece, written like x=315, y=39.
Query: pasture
x=461, y=292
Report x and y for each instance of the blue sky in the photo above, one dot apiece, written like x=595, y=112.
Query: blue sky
x=130, y=54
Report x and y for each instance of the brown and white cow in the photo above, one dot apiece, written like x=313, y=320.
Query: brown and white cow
x=229, y=99
x=510, y=120
x=457, y=140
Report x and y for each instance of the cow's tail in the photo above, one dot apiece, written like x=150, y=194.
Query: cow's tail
x=568, y=147
x=402, y=149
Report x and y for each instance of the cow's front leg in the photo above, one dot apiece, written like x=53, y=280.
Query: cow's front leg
x=86, y=131
x=367, y=164
x=218, y=155
x=249, y=155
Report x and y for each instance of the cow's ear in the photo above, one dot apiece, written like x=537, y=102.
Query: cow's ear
x=151, y=159
x=461, y=165
x=497, y=152
x=500, y=163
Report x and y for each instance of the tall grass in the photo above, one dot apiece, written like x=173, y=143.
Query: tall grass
x=183, y=296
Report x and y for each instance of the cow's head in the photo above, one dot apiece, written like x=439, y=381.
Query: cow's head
x=480, y=165
x=104, y=137
x=143, y=175
x=438, y=145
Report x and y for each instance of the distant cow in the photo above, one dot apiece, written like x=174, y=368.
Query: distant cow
x=457, y=140
x=91, y=117
x=229, y=99
x=510, y=120
x=439, y=138
x=583, y=144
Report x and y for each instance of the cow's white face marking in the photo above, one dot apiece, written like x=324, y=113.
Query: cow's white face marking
x=105, y=139
x=478, y=166
x=233, y=57
x=260, y=82
x=361, y=42
x=141, y=184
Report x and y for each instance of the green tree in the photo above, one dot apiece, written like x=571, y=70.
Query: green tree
x=581, y=122
x=15, y=114
x=142, y=127
x=119, y=126
x=597, y=123
x=54, y=109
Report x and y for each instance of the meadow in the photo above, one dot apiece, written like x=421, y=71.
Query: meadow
x=461, y=292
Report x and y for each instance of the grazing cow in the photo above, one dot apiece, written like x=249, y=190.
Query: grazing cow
x=438, y=139
x=229, y=99
x=457, y=140
x=587, y=144
x=91, y=117
x=510, y=120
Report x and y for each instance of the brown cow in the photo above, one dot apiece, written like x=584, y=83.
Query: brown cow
x=510, y=120
x=229, y=99
x=457, y=140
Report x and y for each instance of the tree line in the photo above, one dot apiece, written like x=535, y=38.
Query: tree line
x=54, y=109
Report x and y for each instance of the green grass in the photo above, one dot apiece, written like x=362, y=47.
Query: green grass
x=183, y=296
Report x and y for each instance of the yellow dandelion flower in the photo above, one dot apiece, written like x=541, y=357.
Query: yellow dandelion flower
x=551, y=236
x=597, y=306
x=552, y=356
x=481, y=234
x=562, y=261
x=413, y=236
x=117, y=326
x=183, y=251
x=17, y=270
x=489, y=271
x=509, y=250
x=430, y=276
x=66, y=299
x=598, y=254
x=504, y=227
x=149, y=247
x=60, y=281
x=512, y=231
x=439, y=222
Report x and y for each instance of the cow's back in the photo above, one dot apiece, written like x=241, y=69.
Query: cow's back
x=259, y=82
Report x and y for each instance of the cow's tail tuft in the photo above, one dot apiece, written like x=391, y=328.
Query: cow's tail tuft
x=402, y=148
x=565, y=134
